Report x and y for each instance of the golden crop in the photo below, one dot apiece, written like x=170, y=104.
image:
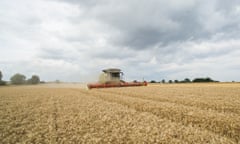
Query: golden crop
x=169, y=113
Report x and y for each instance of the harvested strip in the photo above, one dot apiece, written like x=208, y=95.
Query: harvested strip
x=225, y=125
x=114, y=123
x=220, y=102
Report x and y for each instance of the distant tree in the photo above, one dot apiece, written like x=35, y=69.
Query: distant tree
x=18, y=79
x=163, y=81
x=203, y=80
x=1, y=81
x=187, y=80
x=170, y=81
x=209, y=80
x=152, y=81
x=176, y=81
x=1, y=75
x=198, y=80
x=34, y=80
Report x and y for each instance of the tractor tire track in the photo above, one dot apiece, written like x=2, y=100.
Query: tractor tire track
x=215, y=122
x=53, y=127
x=105, y=98
x=180, y=101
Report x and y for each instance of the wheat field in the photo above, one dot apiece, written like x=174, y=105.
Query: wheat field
x=160, y=113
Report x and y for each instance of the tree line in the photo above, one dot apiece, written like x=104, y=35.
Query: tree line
x=186, y=80
x=19, y=79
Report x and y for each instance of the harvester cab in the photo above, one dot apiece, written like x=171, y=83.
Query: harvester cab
x=111, y=76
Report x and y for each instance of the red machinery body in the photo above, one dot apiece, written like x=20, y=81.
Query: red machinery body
x=109, y=85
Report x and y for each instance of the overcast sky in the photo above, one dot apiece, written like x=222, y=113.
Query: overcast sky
x=73, y=40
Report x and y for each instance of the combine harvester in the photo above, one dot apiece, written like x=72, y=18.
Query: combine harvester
x=113, y=78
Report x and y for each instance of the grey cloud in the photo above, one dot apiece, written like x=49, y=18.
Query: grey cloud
x=154, y=38
x=143, y=24
x=227, y=6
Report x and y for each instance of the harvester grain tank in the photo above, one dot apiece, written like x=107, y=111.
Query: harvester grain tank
x=113, y=77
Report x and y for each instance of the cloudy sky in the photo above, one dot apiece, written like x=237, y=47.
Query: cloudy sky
x=73, y=40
